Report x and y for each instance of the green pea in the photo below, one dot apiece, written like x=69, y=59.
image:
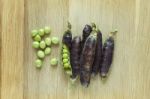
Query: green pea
x=40, y=54
x=42, y=45
x=37, y=38
x=65, y=51
x=47, y=30
x=41, y=32
x=47, y=50
x=35, y=44
x=55, y=40
x=64, y=47
x=38, y=63
x=65, y=56
x=53, y=61
x=34, y=33
x=66, y=65
x=48, y=41
x=65, y=61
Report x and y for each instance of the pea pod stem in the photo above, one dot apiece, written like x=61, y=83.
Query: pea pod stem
x=69, y=25
x=93, y=25
x=113, y=33
x=94, y=28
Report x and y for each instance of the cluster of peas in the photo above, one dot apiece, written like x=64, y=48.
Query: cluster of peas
x=43, y=45
x=66, y=60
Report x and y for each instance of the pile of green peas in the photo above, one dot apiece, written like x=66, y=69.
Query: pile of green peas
x=42, y=43
x=66, y=60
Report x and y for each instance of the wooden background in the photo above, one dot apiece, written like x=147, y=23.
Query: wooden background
x=130, y=73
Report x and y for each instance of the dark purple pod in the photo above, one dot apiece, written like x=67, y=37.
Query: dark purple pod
x=66, y=44
x=75, y=56
x=67, y=38
x=87, y=58
x=98, y=54
x=86, y=32
x=108, y=49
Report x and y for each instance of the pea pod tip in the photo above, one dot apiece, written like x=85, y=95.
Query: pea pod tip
x=85, y=84
x=93, y=74
x=103, y=75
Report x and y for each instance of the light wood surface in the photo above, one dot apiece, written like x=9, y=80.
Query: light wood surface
x=130, y=73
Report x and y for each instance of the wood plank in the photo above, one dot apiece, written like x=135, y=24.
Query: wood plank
x=0, y=41
x=142, y=51
x=129, y=75
x=12, y=21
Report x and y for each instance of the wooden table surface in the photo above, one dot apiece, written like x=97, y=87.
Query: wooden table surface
x=130, y=73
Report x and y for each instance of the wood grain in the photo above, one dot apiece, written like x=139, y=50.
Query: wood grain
x=12, y=25
x=129, y=76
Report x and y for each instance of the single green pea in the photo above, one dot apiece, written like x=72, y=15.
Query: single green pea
x=65, y=51
x=40, y=54
x=64, y=47
x=35, y=44
x=47, y=50
x=65, y=61
x=53, y=61
x=42, y=45
x=65, y=56
x=37, y=38
x=48, y=41
x=47, y=30
x=38, y=63
x=55, y=40
x=66, y=65
x=34, y=33
x=41, y=32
